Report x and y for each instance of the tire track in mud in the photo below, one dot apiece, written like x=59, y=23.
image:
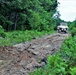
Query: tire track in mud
x=25, y=57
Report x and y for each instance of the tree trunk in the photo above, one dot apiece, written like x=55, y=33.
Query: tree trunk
x=15, y=23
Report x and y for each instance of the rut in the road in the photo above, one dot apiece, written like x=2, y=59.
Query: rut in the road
x=25, y=57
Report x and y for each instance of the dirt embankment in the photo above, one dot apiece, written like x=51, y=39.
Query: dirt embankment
x=25, y=57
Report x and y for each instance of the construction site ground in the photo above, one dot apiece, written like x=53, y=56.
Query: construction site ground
x=25, y=57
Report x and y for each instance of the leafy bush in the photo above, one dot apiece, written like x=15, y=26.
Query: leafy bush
x=73, y=32
x=73, y=71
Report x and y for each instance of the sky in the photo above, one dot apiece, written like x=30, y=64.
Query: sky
x=67, y=9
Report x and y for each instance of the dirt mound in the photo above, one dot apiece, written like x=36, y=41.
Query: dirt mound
x=25, y=57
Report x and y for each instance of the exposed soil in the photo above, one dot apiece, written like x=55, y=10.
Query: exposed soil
x=25, y=57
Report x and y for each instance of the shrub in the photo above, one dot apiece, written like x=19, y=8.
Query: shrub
x=73, y=32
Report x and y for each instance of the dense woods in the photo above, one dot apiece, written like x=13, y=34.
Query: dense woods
x=27, y=14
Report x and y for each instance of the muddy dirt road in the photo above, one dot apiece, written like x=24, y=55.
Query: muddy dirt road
x=25, y=57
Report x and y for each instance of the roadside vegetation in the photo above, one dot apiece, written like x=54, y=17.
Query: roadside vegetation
x=15, y=37
x=64, y=61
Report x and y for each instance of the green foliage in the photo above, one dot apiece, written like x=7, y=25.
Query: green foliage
x=27, y=14
x=35, y=21
x=56, y=65
x=2, y=34
x=72, y=24
x=68, y=53
x=72, y=28
x=15, y=37
x=73, y=71
x=73, y=31
x=1, y=29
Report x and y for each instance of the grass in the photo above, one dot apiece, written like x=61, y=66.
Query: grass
x=15, y=37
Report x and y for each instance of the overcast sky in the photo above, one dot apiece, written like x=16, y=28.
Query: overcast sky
x=67, y=9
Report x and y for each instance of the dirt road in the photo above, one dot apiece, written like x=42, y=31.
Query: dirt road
x=25, y=57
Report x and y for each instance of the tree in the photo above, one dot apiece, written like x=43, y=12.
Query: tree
x=20, y=14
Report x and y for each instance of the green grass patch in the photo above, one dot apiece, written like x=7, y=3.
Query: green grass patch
x=15, y=37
